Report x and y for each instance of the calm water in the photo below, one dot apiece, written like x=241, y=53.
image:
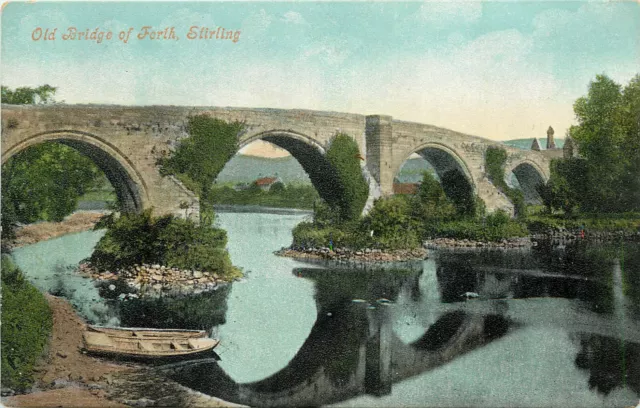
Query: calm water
x=542, y=327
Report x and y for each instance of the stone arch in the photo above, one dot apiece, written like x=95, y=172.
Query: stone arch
x=311, y=156
x=529, y=175
x=447, y=163
x=128, y=183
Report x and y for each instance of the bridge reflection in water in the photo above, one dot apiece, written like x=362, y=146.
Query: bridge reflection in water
x=352, y=349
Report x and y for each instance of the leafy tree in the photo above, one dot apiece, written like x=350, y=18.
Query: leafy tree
x=142, y=238
x=564, y=188
x=200, y=157
x=44, y=182
x=608, y=139
x=43, y=94
x=431, y=203
x=277, y=188
x=344, y=156
x=392, y=223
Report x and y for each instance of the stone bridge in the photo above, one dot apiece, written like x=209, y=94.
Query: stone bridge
x=126, y=141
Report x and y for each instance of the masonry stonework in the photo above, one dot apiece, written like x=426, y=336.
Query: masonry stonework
x=126, y=141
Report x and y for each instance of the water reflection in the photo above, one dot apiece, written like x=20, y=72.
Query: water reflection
x=611, y=363
x=565, y=320
x=352, y=348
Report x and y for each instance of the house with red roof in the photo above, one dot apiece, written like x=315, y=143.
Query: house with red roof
x=265, y=183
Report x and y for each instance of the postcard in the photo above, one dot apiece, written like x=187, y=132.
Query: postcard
x=350, y=204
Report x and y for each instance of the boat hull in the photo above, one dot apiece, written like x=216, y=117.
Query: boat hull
x=147, y=344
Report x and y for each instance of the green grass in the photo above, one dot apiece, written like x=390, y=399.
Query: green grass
x=99, y=195
x=291, y=196
x=26, y=326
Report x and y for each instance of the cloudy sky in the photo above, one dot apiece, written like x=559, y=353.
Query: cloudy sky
x=501, y=70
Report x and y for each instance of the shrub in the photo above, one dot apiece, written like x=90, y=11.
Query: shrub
x=495, y=160
x=392, y=224
x=26, y=325
x=174, y=242
x=344, y=156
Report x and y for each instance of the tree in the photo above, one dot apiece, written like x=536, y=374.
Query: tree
x=45, y=181
x=43, y=94
x=200, y=157
x=344, y=156
x=432, y=202
x=608, y=138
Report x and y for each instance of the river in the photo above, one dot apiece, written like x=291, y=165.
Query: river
x=544, y=327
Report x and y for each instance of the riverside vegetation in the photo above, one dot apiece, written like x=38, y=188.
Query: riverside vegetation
x=597, y=191
x=26, y=326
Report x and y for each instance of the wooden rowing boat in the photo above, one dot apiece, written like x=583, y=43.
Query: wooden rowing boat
x=140, y=332
x=147, y=343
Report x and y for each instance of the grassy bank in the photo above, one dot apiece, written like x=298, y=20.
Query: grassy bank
x=279, y=195
x=26, y=325
x=627, y=223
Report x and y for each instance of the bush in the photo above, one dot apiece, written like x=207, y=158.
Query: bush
x=392, y=224
x=495, y=160
x=344, y=156
x=26, y=325
x=174, y=242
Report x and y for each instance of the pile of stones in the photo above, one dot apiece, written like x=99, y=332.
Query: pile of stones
x=345, y=254
x=156, y=279
x=466, y=243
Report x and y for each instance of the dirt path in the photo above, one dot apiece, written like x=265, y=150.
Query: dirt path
x=68, y=377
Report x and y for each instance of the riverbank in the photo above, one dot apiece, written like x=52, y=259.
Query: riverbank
x=343, y=254
x=437, y=243
x=158, y=280
x=66, y=377
x=42, y=231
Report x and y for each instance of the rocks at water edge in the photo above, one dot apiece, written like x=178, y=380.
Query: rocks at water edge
x=150, y=280
x=438, y=243
x=363, y=255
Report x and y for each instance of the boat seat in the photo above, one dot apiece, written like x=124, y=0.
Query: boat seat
x=177, y=346
x=143, y=345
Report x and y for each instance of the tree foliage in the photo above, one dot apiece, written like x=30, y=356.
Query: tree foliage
x=26, y=325
x=135, y=239
x=44, y=182
x=344, y=156
x=202, y=156
x=608, y=138
x=25, y=95
x=495, y=160
x=607, y=177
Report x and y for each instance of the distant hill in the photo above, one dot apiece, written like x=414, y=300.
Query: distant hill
x=525, y=144
x=245, y=169
x=411, y=171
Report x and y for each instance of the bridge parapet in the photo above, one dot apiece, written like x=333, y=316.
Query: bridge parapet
x=136, y=136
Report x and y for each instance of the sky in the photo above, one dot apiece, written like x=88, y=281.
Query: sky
x=500, y=70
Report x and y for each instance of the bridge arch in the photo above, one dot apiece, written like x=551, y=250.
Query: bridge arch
x=528, y=175
x=129, y=185
x=311, y=156
x=448, y=165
